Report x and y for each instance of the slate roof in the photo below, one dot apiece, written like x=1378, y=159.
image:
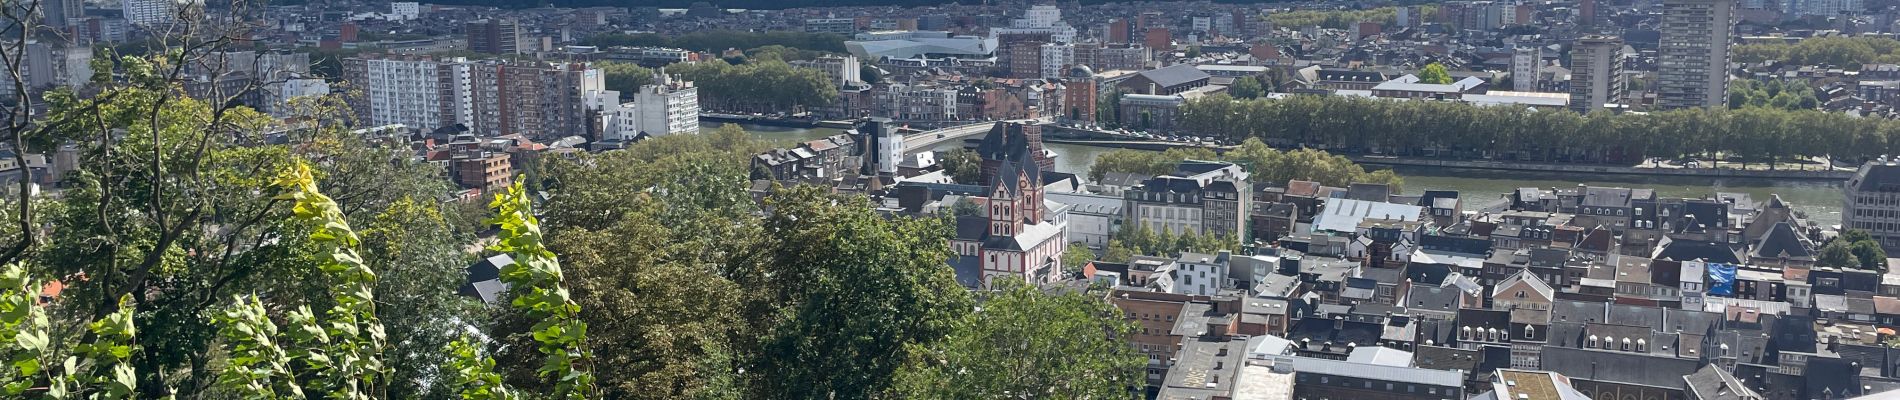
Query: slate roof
x=1434, y=298
x=1619, y=367
x=1686, y=250
x=484, y=279
x=1174, y=75
x=1606, y=197
x=1876, y=177
x=1525, y=276
x=1712, y=383
x=1782, y=242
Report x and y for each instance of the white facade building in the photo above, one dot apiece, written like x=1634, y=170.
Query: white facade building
x=409, y=91
x=1194, y=274
x=668, y=107
x=1524, y=64
x=1056, y=59
x=1040, y=19
x=405, y=10
x=152, y=12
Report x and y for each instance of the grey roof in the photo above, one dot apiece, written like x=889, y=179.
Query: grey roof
x=1174, y=75
x=1378, y=372
x=1618, y=367
x=1711, y=383
x=1606, y=197
x=1435, y=298
x=1088, y=203
x=1782, y=241
x=1380, y=355
x=1876, y=177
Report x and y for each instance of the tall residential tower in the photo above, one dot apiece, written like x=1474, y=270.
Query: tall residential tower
x=1692, y=63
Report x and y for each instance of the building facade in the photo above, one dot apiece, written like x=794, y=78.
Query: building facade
x=1692, y=60
x=1596, y=73
x=494, y=36
x=1872, y=200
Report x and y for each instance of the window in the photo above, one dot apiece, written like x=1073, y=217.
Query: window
x=1529, y=331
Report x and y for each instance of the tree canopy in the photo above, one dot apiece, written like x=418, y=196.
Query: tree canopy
x=1459, y=130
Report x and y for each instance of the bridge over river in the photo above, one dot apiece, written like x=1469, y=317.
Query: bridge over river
x=926, y=140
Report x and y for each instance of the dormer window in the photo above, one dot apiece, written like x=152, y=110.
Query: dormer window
x=1593, y=342
x=1529, y=331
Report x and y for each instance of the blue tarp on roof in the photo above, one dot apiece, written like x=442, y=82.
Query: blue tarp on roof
x=1721, y=279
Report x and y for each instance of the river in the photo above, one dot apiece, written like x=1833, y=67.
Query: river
x=781, y=134
x=1821, y=200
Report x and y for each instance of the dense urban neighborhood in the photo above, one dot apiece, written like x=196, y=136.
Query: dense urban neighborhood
x=1003, y=199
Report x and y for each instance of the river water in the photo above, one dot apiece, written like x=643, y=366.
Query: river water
x=1821, y=200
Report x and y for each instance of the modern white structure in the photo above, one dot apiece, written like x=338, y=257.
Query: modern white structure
x=668, y=107
x=1040, y=19
x=1524, y=64
x=410, y=91
x=1056, y=59
x=1093, y=218
x=405, y=10
x=844, y=71
x=1692, y=60
x=150, y=13
x=917, y=102
x=1193, y=274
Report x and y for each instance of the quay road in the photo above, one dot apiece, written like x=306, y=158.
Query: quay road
x=926, y=140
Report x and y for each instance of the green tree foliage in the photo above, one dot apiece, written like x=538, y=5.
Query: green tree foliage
x=1117, y=252
x=1837, y=254
x=1076, y=256
x=1434, y=73
x=471, y=373
x=1265, y=164
x=1146, y=162
x=963, y=166
x=1333, y=19
x=1780, y=94
x=1026, y=343
x=344, y=349
x=624, y=77
x=535, y=283
x=1853, y=249
x=966, y=208
x=858, y=291
x=100, y=369
x=1108, y=109
x=1451, y=129
x=418, y=253
x=1246, y=87
x=721, y=40
x=1141, y=240
x=1845, y=52
x=1869, y=255
x=769, y=85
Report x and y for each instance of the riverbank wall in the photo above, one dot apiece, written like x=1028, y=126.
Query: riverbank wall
x=1604, y=169
x=1087, y=138
x=757, y=120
